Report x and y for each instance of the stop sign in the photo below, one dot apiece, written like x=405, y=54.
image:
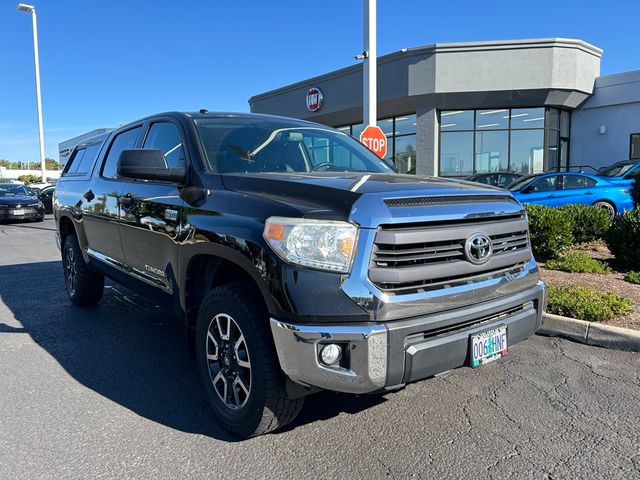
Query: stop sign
x=373, y=138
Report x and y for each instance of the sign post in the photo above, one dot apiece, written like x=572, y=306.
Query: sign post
x=370, y=64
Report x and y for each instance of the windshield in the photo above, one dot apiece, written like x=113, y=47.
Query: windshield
x=617, y=169
x=13, y=190
x=520, y=183
x=250, y=145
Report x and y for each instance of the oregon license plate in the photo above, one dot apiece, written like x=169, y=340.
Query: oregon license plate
x=488, y=346
x=18, y=212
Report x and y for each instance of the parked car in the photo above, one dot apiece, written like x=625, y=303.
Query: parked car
x=622, y=172
x=46, y=197
x=17, y=202
x=296, y=258
x=555, y=189
x=497, y=179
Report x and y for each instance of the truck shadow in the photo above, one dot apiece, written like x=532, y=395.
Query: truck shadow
x=129, y=351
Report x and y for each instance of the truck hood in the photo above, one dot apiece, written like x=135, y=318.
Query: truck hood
x=361, y=197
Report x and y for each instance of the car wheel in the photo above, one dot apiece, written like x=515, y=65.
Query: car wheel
x=84, y=285
x=239, y=367
x=611, y=210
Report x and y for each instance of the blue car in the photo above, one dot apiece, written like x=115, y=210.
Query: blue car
x=621, y=172
x=555, y=189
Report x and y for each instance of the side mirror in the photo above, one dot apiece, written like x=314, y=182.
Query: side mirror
x=529, y=189
x=146, y=164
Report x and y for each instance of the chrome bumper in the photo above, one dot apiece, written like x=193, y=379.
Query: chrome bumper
x=394, y=353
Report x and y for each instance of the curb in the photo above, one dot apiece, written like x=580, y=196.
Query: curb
x=590, y=333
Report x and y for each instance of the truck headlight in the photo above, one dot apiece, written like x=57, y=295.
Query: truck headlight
x=322, y=244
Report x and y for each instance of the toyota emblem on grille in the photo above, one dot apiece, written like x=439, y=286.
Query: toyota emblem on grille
x=478, y=249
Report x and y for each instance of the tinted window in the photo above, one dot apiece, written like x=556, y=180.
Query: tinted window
x=74, y=161
x=166, y=138
x=545, y=184
x=84, y=164
x=122, y=141
x=571, y=182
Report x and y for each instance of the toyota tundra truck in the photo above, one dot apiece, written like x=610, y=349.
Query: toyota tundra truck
x=296, y=258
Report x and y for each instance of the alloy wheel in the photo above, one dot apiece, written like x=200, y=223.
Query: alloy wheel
x=70, y=267
x=228, y=361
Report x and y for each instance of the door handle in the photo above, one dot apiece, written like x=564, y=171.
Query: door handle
x=588, y=193
x=552, y=196
x=126, y=200
x=89, y=195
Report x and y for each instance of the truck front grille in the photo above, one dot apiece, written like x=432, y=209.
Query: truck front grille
x=426, y=256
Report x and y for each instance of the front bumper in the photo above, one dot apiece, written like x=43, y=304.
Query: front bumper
x=29, y=213
x=391, y=354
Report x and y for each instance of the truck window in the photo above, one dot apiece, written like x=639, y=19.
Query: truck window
x=164, y=136
x=73, y=162
x=122, y=141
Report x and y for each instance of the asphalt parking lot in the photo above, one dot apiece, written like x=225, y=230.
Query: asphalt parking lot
x=110, y=392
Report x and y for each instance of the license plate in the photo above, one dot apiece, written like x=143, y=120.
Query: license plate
x=18, y=212
x=488, y=346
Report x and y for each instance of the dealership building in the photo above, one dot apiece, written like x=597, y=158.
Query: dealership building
x=460, y=108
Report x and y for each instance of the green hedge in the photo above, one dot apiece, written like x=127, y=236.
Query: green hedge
x=635, y=191
x=550, y=230
x=590, y=223
x=623, y=239
x=586, y=303
x=578, y=262
x=632, y=277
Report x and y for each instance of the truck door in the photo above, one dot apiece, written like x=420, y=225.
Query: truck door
x=101, y=203
x=151, y=211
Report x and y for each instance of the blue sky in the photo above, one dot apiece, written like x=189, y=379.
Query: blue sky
x=104, y=63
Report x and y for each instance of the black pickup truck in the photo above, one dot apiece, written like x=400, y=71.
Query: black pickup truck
x=296, y=259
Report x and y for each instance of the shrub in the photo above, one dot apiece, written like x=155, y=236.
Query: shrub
x=635, y=191
x=589, y=223
x=586, y=303
x=29, y=178
x=578, y=262
x=632, y=277
x=623, y=239
x=550, y=230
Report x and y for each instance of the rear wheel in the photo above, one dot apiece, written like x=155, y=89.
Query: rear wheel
x=84, y=285
x=610, y=209
x=239, y=366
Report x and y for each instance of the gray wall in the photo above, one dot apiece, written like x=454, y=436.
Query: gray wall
x=518, y=73
x=615, y=104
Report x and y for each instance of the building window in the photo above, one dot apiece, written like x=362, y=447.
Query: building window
x=634, y=149
x=503, y=140
x=401, y=134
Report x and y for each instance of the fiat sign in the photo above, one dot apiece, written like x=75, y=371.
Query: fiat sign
x=314, y=99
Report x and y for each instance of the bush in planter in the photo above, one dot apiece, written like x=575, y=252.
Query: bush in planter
x=623, y=239
x=550, y=230
x=589, y=223
x=632, y=277
x=586, y=303
x=578, y=262
x=635, y=191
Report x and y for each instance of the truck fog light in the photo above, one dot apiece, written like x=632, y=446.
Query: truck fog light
x=330, y=354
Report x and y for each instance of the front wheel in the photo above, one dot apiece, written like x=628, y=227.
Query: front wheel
x=238, y=363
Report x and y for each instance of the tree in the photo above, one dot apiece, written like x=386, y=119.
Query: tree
x=51, y=164
x=29, y=179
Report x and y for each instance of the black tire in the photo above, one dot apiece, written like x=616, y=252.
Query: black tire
x=266, y=406
x=84, y=285
x=609, y=207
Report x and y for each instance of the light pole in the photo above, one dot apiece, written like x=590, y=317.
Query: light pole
x=370, y=74
x=31, y=9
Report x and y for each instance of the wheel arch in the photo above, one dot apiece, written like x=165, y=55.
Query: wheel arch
x=205, y=270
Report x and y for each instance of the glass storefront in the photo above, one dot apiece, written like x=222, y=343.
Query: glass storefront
x=503, y=140
x=401, y=133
